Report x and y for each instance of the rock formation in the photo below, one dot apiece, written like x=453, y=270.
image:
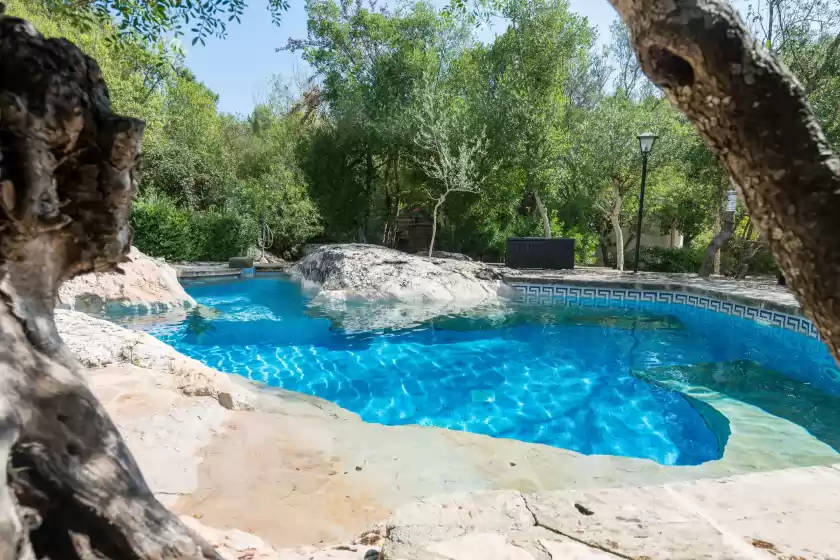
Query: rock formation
x=374, y=273
x=141, y=285
x=401, y=290
x=97, y=343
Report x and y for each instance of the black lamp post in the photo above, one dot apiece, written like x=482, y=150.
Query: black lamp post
x=646, y=142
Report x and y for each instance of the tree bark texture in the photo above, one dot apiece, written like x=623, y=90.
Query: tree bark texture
x=753, y=114
x=616, y=223
x=544, y=215
x=71, y=489
x=722, y=237
x=717, y=229
x=438, y=204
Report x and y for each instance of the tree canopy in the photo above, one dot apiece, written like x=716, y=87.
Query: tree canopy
x=540, y=116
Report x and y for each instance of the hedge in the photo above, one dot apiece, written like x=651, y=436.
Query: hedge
x=161, y=229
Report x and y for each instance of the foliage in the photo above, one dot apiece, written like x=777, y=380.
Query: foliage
x=732, y=259
x=164, y=229
x=404, y=102
x=205, y=177
x=660, y=259
x=805, y=34
x=153, y=19
x=451, y=164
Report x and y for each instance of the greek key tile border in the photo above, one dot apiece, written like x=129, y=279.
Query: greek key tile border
x=549, y=293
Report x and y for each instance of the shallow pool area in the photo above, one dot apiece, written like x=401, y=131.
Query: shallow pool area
x=593, y=376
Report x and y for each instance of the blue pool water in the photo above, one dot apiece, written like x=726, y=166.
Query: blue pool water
x=558, y=375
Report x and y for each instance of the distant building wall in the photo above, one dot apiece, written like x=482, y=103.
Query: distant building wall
x=650, y=238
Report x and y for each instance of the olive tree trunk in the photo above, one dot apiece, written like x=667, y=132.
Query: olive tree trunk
x=70, y=487
x=438, y=204
x=544, y=215
x=754, y=116
x=712, y=256
x=615, y=215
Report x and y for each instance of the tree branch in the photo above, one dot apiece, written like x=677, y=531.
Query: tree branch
x=754, y=116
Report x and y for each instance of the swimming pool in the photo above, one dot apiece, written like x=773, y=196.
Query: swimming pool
x=579, y=377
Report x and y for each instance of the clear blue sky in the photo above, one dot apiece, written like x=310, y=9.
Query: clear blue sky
x=239, y=68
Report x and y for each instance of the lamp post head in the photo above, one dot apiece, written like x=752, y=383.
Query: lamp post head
x=646, y=142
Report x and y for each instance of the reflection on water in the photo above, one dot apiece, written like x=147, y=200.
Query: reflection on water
x=566, y=376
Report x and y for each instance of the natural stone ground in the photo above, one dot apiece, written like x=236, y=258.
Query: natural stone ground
x=98, y=343
x=304, y=476
x=791, y=514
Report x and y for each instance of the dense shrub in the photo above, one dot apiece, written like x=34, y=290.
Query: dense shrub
x=660, y=259
x=162, y=229
x=221, y=235
x=688, y=259
x=734, y=253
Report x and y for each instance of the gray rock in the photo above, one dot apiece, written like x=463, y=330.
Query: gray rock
x=142, y=285
x=402, y=290
x=98, y=343
x=375, y=273
x=453, y=256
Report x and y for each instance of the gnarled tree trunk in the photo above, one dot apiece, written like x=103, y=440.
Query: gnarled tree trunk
x=754, y=116
x=615, y=214
x=543, y=214
x=70, y=488
x=712, y=256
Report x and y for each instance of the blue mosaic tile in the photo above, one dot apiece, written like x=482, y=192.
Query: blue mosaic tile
x=548, y=293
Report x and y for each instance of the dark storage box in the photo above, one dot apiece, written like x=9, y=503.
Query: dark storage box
x=538, y=252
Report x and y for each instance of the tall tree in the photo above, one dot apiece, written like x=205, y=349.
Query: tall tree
x=369, y=61
x=450, y=159
x=531, y=65
x=606, y=160
x=754, y=115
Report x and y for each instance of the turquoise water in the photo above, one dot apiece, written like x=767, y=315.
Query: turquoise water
x=561, y=375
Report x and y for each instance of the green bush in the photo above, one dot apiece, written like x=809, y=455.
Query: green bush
x=733, y=253
x=220, y=236
x=660, y=259
x=162, y=229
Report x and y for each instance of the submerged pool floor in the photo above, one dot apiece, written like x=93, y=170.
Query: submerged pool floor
x=566, y=376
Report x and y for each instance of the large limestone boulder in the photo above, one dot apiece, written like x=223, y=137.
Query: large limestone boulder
x=144, y=285
x=400, y=290
x=374, y=273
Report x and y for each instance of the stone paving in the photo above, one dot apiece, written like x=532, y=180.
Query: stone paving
x=789, y=514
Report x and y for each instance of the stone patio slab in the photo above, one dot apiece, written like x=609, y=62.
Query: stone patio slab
x=634, y=522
